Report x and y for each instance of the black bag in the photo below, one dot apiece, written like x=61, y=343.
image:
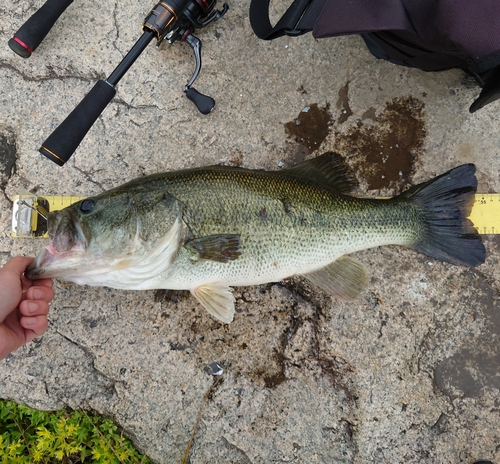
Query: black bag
x=432, y=35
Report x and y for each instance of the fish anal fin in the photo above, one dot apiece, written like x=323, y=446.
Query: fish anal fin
x=345, y=278
x=219, y=247
x=217, y=299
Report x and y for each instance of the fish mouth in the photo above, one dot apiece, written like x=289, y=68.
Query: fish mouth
x=50, y=264
x=67, y=245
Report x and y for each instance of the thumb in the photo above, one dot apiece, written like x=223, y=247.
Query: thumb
x=17, y=265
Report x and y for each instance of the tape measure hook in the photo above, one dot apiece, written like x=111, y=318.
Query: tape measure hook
x=22, y=202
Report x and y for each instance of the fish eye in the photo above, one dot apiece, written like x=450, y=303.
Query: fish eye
x=86, y=206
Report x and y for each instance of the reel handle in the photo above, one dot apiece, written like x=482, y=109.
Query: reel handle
x=204, y=103
x=33, y=31
x=62, y=143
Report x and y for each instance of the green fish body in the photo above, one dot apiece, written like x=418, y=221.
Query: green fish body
x=209, y=229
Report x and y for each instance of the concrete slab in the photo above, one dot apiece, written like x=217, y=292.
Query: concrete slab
x=408, y=374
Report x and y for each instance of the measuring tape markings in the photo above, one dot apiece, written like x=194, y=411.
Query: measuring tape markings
x=485, y=213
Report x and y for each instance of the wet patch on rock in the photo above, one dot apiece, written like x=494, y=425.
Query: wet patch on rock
x=476, y=365
x=370, y=113
x=335, y=369
x=311, y=127
x=8, y=155
x=296, y=154
x=343, y=104
x=170, y=296
x=299, y=350
x=384, y=153
x=285, y=340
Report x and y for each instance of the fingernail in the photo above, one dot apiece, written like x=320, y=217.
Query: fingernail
x=29, y=321
x=37, y=294
x=32, y=307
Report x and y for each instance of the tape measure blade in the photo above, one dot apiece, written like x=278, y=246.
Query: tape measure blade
x=485, y=214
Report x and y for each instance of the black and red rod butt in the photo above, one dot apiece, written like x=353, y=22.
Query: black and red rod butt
x=33, y=31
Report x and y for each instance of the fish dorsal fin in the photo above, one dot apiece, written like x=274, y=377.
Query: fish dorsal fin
x=328, y=169
x=220, y=247
x=345, y=278
x=217, y=299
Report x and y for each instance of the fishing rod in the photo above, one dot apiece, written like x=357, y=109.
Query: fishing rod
x=169, y=20
x=31, y=34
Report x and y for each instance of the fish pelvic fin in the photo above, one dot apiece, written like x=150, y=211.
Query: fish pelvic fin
x=345, y=278
x=444, y=204
x=217, y=299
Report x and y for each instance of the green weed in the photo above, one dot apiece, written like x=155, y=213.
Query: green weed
x=31, y=436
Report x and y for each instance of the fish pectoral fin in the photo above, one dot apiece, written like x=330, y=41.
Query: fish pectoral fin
x=218, y=300
x=345, y=278
x=220, y=247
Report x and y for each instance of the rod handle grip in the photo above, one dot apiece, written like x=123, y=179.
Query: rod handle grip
x=34, y=30
x=63, y=142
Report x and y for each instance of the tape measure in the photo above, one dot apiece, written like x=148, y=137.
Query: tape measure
x=30, y=212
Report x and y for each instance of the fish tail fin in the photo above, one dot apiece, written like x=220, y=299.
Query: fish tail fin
x=444, y=204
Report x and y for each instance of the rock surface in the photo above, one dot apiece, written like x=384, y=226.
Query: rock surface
x=410, y=373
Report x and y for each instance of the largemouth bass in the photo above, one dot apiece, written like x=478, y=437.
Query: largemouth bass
x=209, y=229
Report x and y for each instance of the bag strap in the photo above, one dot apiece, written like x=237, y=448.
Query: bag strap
x=490, y=91
x=298, y=19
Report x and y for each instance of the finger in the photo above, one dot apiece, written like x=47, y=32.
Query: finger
x=17, y=265
x=11, y=285
x=27, y=283
x=9, y=341
x=34, y=308
x=34, y=326
x=40, y=293
x=13, y=270
x=45, y=283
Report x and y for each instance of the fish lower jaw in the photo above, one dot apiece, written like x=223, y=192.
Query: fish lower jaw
x=57, y=265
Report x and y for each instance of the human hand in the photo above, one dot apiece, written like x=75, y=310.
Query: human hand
x=24, y=305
